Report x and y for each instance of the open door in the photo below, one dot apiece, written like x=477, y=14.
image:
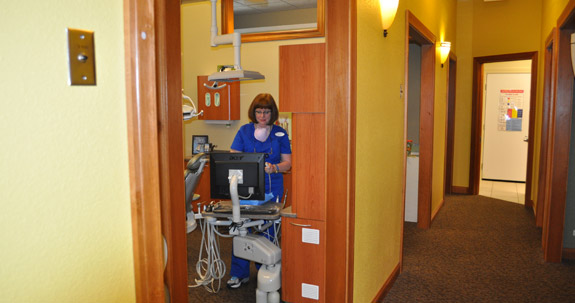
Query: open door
x=418, y=33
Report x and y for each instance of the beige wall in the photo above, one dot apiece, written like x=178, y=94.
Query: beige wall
x=65, y=219
x=380, y=136
x=199, y=58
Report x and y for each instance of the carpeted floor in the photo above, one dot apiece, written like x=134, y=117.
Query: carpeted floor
x=480, y=249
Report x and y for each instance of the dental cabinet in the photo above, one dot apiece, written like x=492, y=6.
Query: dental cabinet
x=218, y=100
x=302, y=78
x=302, y=92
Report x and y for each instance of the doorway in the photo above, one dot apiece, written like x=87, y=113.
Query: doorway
x=422, y=40
x=505, y=130
x=477, y=132
x=450, y=124
x=543, y=172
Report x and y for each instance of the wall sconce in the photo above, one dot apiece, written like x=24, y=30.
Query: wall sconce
x=444, y=48
x=388, y=8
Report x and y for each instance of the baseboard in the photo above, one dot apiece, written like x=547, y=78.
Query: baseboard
x=437, y=210
x=460, y=190
x=568, y=253
x=387, y=285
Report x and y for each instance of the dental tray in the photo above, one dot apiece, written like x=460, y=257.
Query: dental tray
x=268, y=208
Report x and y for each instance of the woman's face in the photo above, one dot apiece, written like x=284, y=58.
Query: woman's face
x=263, y=116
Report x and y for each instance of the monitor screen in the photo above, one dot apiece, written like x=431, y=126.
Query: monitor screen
x=251, y=166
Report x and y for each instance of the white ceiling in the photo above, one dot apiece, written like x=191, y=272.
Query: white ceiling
x=259, y=6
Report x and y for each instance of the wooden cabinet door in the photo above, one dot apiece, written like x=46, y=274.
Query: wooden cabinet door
x=308, y=166
x=302, y=78
x=220, y=103
x=303, y=263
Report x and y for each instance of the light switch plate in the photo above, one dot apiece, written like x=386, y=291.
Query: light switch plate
x=81, y=57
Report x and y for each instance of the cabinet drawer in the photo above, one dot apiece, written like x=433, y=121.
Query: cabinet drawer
x=303, y=263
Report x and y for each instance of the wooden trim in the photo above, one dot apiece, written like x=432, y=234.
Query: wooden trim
x=427, y=36
x=227, y=17
x=405, y=98
x=340, y=135
x=531, y=132
x=169, y=99
x=545, y=118
x=477, y=118
x=450, y=123
x=568, y=254
x=140, y=60
x=384, y=290
x=417, y=32
x=566, y=15
x=560, y=136
x=460, y=190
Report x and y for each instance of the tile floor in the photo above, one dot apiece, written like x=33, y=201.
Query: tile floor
x=508, y=191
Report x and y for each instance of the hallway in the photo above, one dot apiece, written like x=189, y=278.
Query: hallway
x=480, y=249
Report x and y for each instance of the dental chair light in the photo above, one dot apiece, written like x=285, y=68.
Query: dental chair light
x=235, y=75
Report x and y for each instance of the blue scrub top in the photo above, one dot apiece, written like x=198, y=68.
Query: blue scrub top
x=276, y=144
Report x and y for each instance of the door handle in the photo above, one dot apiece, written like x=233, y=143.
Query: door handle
x=300, y=225
x=526, y=139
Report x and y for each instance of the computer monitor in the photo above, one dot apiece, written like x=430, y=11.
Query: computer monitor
x=251, y=167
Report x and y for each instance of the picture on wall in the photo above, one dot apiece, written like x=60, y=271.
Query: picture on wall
x=200, y=144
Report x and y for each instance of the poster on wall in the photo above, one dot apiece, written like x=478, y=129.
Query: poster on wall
x=510, y=115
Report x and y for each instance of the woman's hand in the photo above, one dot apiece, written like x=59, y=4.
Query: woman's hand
x=270, y=168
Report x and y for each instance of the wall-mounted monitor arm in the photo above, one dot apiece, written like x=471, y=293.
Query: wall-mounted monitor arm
x=238, y=74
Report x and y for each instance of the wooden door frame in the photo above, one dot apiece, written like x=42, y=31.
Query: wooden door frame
x=140, y=61
x=450, y=123
x=548, y=83
x=341, y=99
x=477, y=119
x=150, y=66
x=559, y=137
x=417, y=32
x=153, y=97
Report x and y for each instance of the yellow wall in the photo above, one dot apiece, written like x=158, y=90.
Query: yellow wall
x=485, y=29
x=380, y=141
x=199, y=58
x=65, y=219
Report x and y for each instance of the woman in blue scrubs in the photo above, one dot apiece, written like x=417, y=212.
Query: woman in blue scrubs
x=262, y=136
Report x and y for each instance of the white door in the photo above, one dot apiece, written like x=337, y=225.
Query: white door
x=506, y=126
